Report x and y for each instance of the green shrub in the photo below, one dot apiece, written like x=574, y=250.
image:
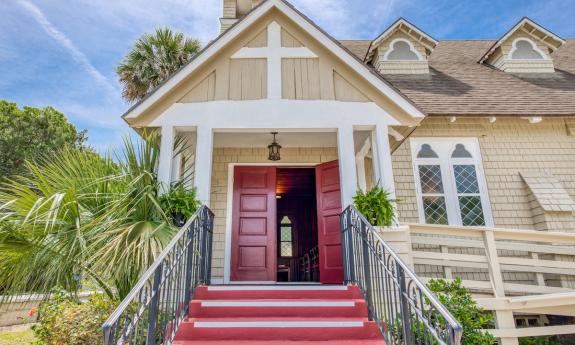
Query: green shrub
x=66, y=321
x=463, y=307
x=180, y=203
x=376, y=206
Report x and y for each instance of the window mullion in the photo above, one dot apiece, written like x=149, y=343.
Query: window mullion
x=452, y=202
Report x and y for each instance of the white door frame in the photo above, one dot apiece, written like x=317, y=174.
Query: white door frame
x=229, y=214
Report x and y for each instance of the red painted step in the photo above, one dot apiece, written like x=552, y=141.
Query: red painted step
x=278, y=308
x=278, y=314
x=278, y=329
x=227, y=292
x=281, y=342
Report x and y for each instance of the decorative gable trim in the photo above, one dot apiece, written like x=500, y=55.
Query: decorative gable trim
x=409, y=29
x=401, y=49
x=307, y=25
x=534, y=30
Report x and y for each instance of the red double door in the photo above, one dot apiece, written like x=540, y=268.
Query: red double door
x=253, y=256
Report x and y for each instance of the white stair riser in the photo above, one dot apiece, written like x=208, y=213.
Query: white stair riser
x=278, y=324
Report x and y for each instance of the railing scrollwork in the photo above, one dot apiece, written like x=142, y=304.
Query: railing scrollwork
x=405, y=310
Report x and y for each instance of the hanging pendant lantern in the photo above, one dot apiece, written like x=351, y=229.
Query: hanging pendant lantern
x=274, y=149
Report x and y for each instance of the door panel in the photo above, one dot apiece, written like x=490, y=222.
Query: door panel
x=328, y=195
x=253, y=224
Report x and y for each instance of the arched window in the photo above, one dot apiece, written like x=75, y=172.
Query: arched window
x=525, y=49
x=426, y=152
x=402, y=50
x=461, y=152
x=449, y=182
x=286, y=237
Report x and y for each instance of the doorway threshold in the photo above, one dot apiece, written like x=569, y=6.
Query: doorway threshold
x=271, y=283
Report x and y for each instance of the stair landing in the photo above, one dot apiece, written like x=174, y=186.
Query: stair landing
x=278, y=314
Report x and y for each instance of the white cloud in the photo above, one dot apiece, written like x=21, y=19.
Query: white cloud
x=67, y=44
x=197, y=18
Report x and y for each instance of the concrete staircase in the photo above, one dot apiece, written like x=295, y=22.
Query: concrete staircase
x=278, y=314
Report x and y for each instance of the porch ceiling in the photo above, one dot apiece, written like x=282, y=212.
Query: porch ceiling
x=285, y=139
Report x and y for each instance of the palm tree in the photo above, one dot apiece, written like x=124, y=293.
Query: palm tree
x=80, y=217
x=152, y=60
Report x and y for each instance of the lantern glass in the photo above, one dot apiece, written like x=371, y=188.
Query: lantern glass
x=274, y=149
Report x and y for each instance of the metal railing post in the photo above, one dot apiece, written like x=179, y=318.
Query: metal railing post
x=189, y=262
x=345, y=247
x=366, y=266
x=404, y=308
x=154, y=306
x=210, y=235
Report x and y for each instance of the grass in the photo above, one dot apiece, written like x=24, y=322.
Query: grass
x=17, y=337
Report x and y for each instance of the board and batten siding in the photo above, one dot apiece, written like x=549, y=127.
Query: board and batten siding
x=248, y=79
x=302, y=78
x=205, y=91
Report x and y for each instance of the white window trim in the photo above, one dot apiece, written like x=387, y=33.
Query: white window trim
x=449, y=185
x=533, y=45
x=411, y=48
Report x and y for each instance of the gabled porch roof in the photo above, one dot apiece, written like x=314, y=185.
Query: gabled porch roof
x=348, y=58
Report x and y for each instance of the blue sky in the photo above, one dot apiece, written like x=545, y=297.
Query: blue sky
x=63, y=53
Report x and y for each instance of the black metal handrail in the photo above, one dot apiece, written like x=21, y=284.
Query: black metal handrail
x=154, y=309
x=405, y=310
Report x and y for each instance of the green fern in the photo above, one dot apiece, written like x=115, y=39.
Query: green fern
x=376, y=205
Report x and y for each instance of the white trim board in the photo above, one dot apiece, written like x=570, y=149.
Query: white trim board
x=277, y=324
x=283, y=304
x=345, y=56
x=278, y=288
x=274, y=114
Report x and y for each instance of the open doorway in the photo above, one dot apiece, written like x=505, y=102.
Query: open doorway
x=285, y=224
x=297, y=232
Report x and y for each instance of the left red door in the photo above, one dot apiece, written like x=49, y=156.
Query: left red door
x=253, y=224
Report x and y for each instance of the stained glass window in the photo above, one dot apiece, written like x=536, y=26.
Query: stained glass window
x=286, y=240
x=450, y=184
x=468, y=195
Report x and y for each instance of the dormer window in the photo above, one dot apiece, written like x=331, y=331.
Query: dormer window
x=526, y=48
x=401, y=49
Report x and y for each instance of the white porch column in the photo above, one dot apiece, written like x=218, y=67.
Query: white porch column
x=347, y=169
x=176, y=165
x=360, y=167
x=360, y=164
x=382, y=159
x=203, y=166
x=165, y=160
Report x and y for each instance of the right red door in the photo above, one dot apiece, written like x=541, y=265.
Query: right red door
x=328, y=195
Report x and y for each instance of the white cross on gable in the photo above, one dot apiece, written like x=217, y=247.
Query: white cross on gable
x=274, y=52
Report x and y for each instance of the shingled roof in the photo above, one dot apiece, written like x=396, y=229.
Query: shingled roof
x=458, y=85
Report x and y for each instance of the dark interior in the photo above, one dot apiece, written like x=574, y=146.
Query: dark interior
x=296, y=216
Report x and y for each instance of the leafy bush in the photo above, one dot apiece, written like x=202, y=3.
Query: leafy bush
x=78, y=216
x=463, y=307
x=66, y=321
x=181, y=203
x=376, y=206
